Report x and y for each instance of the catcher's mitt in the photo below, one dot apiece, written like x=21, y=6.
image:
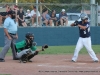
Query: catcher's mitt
x=44, y=47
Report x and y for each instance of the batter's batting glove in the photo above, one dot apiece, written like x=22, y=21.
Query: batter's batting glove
x=76, y=23
x=44, y=47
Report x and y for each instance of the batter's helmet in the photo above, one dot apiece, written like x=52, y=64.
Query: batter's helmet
x=84, y=18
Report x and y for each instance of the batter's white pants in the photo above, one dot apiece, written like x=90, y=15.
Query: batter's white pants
x=87, y=43
x=23, y=52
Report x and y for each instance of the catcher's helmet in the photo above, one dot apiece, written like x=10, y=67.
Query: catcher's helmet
x=28, y=35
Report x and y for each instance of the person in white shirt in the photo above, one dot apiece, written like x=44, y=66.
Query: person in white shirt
x=28, y=17
x=28, y=14
x=34, y=14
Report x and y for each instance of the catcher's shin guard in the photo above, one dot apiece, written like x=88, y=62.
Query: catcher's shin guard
x=29, y=57
x=32, y=55
x=36, y=53
x=23, y=58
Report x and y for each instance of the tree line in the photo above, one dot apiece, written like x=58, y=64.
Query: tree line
x=49, y=1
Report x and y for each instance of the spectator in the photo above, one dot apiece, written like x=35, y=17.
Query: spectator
x=46, y=17
x=7, y=8
x=20, y=16
x=15, y=7
x=3, y=14
x=53, y=17
x=63, y=18
x=28, y=17
x=28, y=14
x=34, y=15
x=0, y=20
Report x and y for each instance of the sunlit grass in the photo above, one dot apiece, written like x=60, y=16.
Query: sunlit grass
x=63, y=50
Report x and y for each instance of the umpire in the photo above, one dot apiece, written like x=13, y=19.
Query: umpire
x=10, y=35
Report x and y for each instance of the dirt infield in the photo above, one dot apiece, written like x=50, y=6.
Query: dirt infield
x=51, y=65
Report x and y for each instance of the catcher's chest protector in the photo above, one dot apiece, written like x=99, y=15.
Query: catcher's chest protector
x=27, y=46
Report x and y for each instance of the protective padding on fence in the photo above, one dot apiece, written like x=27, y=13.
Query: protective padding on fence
x=54, y=36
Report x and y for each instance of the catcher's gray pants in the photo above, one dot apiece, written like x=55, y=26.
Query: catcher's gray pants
x=24, y=52
x=8, y=44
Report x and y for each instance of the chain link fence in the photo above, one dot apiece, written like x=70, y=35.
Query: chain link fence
x=73, y=11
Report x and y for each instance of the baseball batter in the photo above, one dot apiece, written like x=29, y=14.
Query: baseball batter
x=84, y=39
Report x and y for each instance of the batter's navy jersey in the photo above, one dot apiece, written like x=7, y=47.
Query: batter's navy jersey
x=84, y=33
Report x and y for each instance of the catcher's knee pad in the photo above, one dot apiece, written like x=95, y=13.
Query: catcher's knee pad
x=31, y=56
x=29, y=52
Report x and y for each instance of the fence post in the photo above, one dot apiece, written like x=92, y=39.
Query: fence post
x=37, y=12
x=40, y=13
x=16, y=2
x=93, y=13
x=97, y=13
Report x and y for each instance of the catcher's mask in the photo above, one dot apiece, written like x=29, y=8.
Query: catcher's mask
x=30, y=36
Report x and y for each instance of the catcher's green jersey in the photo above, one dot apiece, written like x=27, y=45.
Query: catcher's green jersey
x=22, y=44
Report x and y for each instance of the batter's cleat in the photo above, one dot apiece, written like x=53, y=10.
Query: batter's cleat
x=73, y=61
x=96, y=61
x=2, y=60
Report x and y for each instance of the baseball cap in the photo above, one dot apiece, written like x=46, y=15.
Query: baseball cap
x=28, y=10
x=63, y=10
x=34, y=7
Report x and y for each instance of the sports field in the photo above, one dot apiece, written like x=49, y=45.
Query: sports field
x=63, y=50
x=56, y=60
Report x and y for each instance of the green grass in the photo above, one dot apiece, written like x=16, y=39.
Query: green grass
x=68, y=50
x=63, y=50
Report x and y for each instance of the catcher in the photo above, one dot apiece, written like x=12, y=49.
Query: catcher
x=27, y=49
